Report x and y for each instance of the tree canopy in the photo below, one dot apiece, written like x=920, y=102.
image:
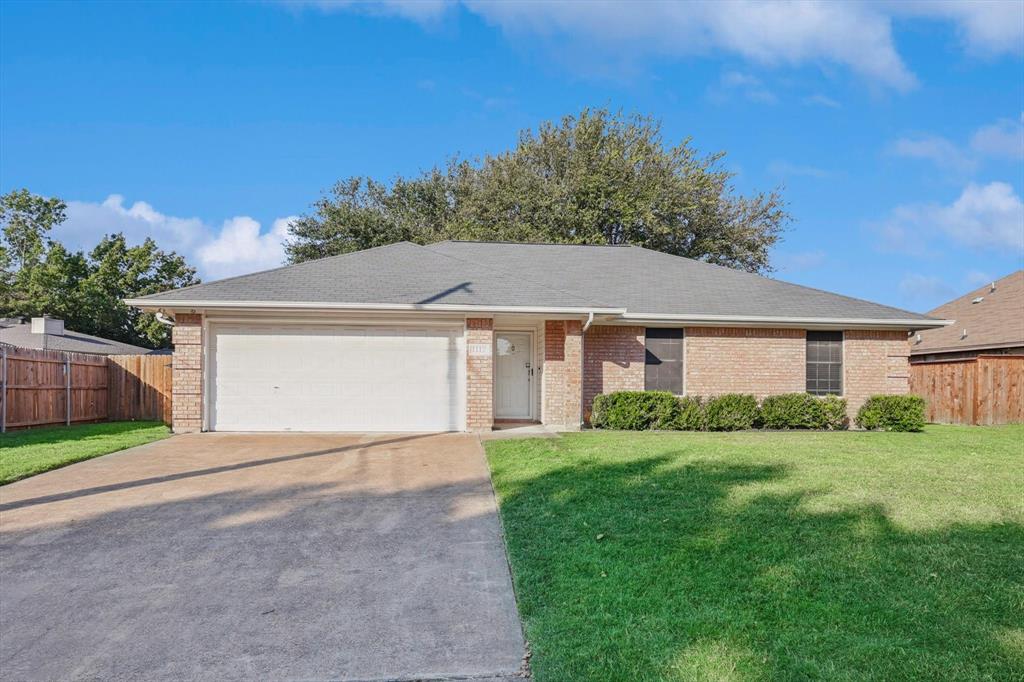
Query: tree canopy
x=42, y=277
x=597, y=178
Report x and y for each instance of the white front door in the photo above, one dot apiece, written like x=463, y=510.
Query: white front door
x=513, y=375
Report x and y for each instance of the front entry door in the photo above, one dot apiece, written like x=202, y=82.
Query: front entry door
x=513, y=375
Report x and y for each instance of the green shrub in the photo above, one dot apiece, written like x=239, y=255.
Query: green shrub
x=635, y=410
x=691, y=414
x=731, y=412
x=892, y=413
x=803, y=411
x=833, y=413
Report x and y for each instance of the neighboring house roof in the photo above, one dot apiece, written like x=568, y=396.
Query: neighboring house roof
x=996, y=321
x=19, y=334
x=629, y=282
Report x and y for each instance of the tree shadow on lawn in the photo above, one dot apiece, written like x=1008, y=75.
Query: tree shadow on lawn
x=646, y=571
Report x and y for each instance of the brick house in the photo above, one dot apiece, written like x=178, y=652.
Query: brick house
x=459, y=335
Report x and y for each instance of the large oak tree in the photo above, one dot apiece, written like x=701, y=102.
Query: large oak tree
x=597, y=178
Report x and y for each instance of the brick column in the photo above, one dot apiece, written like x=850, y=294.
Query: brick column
x=479, y=374
x=613, y=360
x=875, y=362
x=563, y=373
x=187, y=365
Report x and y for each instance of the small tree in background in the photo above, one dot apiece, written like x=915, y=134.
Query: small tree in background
x=596, y=178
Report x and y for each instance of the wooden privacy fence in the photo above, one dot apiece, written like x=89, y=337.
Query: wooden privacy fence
x=139, y=387
x=988, y=389
x=41, y=387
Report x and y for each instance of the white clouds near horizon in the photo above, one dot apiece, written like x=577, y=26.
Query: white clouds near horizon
x=983, y=217
x=236, y=247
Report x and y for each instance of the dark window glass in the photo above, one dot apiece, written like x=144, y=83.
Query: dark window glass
x=825, y=363
x=663, y=366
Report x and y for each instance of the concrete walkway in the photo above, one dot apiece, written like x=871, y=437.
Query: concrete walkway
x=270, y=556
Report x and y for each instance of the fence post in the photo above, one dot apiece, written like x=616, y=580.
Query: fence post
x=67, y=390
x=3, y=393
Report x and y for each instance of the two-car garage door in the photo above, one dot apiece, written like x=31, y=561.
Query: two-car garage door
x=318, y=378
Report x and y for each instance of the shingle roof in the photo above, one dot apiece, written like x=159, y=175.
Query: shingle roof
x=996, y=321
x=402, y=273
x=494, y=274
x=651, y=282
x=19, y=334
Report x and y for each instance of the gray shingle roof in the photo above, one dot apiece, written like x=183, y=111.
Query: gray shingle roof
x=401, y=273
x=19, y=334
x=651, y=282
x=493, y=274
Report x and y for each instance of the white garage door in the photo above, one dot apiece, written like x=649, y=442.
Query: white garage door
x=337, y=379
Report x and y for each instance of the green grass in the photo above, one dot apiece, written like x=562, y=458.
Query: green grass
x=768, y=556
x=26, y=453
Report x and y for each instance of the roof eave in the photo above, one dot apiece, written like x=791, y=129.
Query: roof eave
x=310, y=306
x=617, y=314
x=910, y=324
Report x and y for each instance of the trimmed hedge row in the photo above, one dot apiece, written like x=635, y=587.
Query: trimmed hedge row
x=660, y=410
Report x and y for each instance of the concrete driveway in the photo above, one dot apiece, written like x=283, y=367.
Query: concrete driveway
x=269, y=556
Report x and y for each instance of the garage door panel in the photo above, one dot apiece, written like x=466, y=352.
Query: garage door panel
x=338, y=379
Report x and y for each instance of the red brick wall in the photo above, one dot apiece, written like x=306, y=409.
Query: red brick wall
x=732, y=360
x=187, y=368
x=563, y=360
x=874, y=362
x=613, y=360
x=479, y=375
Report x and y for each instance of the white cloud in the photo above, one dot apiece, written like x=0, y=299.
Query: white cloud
x=743, y=84
x=987, y=28
x=917, y=287
x=236, y=247
x=1004, y=138
x=240, y=247
x=936, y=149
x=766, y=33
x=983, y=217
x=852, y=34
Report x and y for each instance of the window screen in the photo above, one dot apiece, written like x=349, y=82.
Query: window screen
x=663, y=366
x=825, y=363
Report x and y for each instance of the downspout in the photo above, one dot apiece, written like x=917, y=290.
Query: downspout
x=583, y=355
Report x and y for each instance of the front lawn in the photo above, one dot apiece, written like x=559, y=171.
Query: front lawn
x=768, y=556
x=26, y=453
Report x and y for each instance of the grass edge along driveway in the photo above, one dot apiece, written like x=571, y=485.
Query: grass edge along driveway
x=768, y=556
x=31, y=452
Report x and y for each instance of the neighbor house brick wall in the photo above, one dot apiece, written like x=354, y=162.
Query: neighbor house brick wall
x=613, y=360
x=479, y=374
x=563, y=370
x=736, y=360
x=187, y=368
x=874, y=362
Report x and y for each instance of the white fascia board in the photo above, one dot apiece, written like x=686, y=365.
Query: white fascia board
x=802, y=322
x=147, y=304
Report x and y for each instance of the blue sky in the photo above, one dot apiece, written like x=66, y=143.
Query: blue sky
x=895, y=129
